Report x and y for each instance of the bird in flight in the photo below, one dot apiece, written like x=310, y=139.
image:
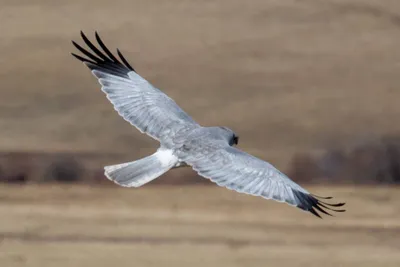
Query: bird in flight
x=210, y=151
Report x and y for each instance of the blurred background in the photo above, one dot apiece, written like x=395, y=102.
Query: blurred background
x=310, y=86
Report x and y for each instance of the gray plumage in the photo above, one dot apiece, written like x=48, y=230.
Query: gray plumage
x=209, y=151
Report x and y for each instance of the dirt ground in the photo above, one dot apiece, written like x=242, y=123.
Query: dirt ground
x=74, y=226
x=287, y=76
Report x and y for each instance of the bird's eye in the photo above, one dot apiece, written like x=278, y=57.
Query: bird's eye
x=235, y=140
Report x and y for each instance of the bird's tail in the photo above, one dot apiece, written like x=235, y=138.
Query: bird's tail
x=142, y=171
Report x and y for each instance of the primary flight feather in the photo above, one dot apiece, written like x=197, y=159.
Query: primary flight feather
x=210, y=151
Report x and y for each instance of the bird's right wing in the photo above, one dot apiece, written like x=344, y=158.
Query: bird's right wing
x=237, y=170
x=135, y=99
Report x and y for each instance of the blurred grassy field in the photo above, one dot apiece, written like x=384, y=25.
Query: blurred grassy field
x=46, y=226
x=287, y=76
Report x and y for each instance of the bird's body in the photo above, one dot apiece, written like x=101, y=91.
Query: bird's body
x=210, y=151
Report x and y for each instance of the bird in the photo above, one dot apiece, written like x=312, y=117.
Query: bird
x=212, y=152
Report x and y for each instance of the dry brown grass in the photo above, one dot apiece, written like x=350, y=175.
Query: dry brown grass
x=47, y=226
x=286, y=75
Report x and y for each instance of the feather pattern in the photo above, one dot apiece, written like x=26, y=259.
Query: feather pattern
x=244, y=173
x=134, y=98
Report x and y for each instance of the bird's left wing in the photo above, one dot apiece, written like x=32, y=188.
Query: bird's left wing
x=135, y=99
x=236, y=170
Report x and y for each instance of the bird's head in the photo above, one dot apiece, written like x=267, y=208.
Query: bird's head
x=233, y=138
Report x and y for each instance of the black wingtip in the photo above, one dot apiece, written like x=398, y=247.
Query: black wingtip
x=312, y=204
x=315, y=213
x=102, y=60
x=320, y=196
x=105, y=49
x=82, y=34
x=124, y=60
x=84, y=60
